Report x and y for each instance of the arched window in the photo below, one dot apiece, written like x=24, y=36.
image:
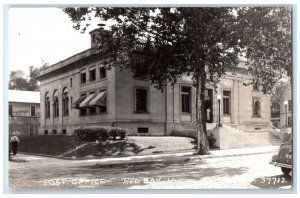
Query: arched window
x=65, y=102
x=47, y=105
x=55, y=104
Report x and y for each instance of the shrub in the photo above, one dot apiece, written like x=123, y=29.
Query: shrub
x=117, y=131
x=104, y=132
x=93, y=133
x=211, y=141
x=79, y=132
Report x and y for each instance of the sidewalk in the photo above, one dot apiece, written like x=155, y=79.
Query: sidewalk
x=167, y=158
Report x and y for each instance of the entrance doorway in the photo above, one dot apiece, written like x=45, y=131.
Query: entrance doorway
x=208, y=105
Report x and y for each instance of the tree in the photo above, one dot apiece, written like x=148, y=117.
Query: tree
x=267, y=44
x=32, y=81
x=18, y=81
x=280, y=88
x=162, y=44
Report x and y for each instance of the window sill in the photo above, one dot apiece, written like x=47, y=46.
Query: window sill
x=103, y=79
x=94, y=81
x=256, y=116
x=92, y=114
x=185, y=113
x=102, y=113
x=255, y=91
x=141, y=112
x=226, y=114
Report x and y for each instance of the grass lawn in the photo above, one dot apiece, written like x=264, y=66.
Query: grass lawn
x=49, y=145
x=133, y=145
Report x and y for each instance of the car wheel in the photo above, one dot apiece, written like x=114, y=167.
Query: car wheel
x=285, y=171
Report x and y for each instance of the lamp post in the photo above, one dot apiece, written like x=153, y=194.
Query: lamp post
x=219, y=100
x=286, y=116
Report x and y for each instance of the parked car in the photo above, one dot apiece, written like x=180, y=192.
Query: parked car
x=284, y=157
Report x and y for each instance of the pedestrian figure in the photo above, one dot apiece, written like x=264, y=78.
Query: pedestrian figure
x=14, y=141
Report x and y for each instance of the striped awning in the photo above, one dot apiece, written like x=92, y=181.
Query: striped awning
x=78, y=101
x=85, y=103
x=99, y=100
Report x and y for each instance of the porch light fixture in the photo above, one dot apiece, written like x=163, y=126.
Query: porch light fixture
x=286, y=115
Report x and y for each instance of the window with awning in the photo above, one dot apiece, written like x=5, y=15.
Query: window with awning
x=85, y=103
x=99, y=100
x=78, y=101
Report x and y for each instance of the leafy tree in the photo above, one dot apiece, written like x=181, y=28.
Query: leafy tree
x=266, y=40
x=162, y=44
x=280, y=88
x=32, y=81
x=18, y=81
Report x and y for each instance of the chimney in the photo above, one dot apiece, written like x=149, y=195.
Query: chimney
x=97, y=34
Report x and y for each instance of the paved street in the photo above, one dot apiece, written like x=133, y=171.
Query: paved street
x=235, y=172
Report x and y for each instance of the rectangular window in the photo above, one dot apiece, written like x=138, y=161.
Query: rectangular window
x=256, y=86
x=290, y=121
x=71, y=82
x=143, y=130
x=226, y=102
x=141, y=100
x=256, y=106
x=32, y=111
x=64, y=131
x=45, y=132
x=290, y=105
x=82, y=110
x=31, y=129
x=92, y=74
x=10, y=110
x=54, y=132
x=83, y=77
x=185, y=99
x=93, y=110
x=102, y=72
x=103, y=108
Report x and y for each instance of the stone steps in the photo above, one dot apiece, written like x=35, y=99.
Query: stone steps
x=239, y=139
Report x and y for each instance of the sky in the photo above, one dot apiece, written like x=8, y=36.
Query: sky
x=38, y=35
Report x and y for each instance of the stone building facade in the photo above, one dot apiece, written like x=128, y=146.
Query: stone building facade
x=24, y=112
x=80, y=91
x=286, y=109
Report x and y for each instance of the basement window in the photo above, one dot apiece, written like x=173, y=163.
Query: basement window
x=143, y=130
x=46, y=132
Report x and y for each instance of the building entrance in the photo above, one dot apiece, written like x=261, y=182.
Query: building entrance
x=208, y=105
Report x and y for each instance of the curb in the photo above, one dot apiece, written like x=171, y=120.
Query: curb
x=168, y=159
x=50, y=156
x=107, y=157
